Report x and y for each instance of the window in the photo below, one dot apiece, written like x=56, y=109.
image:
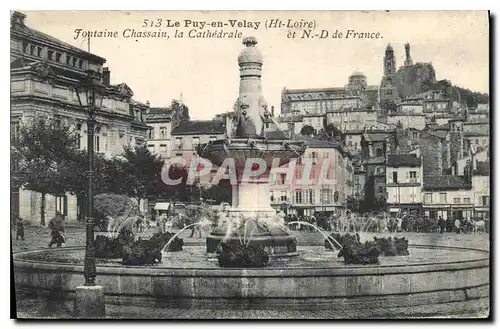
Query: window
x=80, y=64
x=456, y=200
x=163, y=147
x=151, y=147
x=213, y=138
x=428, y=198
x=298, y=196
x=442, y=198
x=413, y=176
x=62, y=204
x=58, y=57
x=477, y=141
x=311, y=197
x=68, y=60
x=74, y=61
x=283, y=197
x=380, y=189
x=395, y=177
x=178, y=143
x=50, y=55
x=271, y=196
x=379, y=152
x=196, y=142
x=163, y=132
x=326, y=155
x=485, y=200
x=314, y=155
x=282, y=179
x=151, y=133
x=466, y=200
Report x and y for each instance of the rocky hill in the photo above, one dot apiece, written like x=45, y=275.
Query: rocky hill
x=415, y=79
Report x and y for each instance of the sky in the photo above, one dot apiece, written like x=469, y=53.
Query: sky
x=206, y=73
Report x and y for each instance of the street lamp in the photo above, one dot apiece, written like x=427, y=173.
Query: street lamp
x=89, y=300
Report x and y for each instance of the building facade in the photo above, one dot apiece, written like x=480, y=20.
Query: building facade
x=44, y=71
x=404, y=177
x=323, y=180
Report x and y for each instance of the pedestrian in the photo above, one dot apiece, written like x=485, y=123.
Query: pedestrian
x=56, y=226
x=19, y=228
x=441, y=224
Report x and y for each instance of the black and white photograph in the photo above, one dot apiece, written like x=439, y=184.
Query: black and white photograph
x=321, y=165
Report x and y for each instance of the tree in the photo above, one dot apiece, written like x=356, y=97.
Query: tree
x=180, y=112
x=140, y=172
x=43, y=151
x=180, y=192
x=307, y=130
x=105, y=173
x=218, y=193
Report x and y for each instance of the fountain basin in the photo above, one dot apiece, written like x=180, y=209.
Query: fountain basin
x=316, y=279
x=276, y=245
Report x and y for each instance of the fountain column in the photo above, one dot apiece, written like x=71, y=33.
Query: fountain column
x=246, y=145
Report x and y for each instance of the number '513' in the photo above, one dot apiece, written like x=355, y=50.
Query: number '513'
x=152, y=23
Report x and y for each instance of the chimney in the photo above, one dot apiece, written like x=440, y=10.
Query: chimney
x=17, y=18
x=106, y=76
x=272, y=111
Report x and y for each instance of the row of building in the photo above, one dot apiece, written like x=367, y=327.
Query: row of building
x=426, y=154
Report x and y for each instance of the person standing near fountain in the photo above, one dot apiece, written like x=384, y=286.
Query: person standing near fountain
x=19, y=228
x=56, y=226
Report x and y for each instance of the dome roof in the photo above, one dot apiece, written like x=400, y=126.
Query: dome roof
x=250, y=54
x=357, y=74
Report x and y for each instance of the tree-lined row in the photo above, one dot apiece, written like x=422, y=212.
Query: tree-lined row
x=46, y=159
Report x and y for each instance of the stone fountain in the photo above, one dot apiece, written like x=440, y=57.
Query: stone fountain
x=246, y=142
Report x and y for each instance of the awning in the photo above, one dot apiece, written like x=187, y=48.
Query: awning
x=162, y=206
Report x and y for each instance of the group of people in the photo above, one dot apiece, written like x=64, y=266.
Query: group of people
x=55, y=225
x=384, y=223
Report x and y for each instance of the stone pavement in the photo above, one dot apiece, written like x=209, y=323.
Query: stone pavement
x=30, y=308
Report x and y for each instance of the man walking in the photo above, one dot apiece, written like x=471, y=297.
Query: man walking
x=56, y=226
x=441, y=224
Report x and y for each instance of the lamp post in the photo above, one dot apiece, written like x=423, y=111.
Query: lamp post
x=89, y=301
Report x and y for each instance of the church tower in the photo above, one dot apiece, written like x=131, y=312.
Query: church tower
x=388, y=85
x=389, y=61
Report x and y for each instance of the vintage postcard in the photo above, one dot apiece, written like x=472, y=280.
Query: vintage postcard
x=250, y=164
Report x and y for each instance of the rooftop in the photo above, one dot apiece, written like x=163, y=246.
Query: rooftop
x=376, y=137
x=445, y=182
x=199, y=127
x=403, y=160
x=21, y=28
x=158, y=114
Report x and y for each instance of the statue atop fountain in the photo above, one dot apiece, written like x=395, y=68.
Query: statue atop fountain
x=246, y=142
